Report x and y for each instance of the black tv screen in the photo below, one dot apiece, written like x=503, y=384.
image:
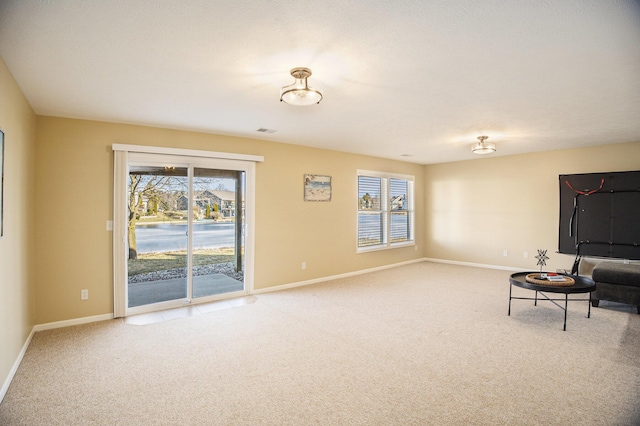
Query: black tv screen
x=600, y=214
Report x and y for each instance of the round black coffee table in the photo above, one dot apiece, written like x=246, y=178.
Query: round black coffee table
x=582, y=285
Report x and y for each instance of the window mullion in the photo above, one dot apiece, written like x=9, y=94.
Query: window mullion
x=384, y=183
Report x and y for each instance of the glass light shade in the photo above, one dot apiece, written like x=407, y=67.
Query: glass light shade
x=483, y=148
x=299, y=93
x=301, y=96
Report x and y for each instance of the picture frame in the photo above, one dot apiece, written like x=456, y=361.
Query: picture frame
x=317, y=187
x=1, y=183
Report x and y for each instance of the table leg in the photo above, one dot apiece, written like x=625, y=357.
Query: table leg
x=566, y=302
x=536, y=299
x=510, y=287
x=589, y=302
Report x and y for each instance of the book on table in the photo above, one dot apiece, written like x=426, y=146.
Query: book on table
x=555, y=278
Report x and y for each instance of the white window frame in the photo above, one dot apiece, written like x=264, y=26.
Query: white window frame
x=386, y=210
x=223, y=160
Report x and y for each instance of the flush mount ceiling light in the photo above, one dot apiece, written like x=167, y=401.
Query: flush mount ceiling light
x=482, y=147
x=299, y=93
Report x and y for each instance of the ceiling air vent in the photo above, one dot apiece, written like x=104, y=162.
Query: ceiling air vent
x=263, y=130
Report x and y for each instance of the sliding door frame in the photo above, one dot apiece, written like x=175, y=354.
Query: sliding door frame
x=123, y=154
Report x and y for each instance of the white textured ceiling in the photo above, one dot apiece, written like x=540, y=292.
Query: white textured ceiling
x=417, y=77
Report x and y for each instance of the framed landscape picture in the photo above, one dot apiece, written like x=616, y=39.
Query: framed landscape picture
x=1, y=181
x=317, y=188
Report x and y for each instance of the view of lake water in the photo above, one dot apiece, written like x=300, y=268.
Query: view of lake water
x=370, y=226
x=159, y=237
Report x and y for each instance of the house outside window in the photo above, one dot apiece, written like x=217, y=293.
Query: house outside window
x=385, y=210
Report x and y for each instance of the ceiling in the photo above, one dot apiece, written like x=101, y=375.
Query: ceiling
x=411, y=80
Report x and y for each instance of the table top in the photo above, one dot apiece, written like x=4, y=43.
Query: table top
x=582, y=285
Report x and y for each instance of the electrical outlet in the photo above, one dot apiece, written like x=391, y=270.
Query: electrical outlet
x=526, y=254
x=84, y=294
x=505, y=253
x=304, y=265
x=109, y=225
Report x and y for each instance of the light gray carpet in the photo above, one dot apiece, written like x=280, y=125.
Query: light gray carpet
x=417, y=345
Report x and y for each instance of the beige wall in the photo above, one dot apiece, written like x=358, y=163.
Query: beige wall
x=477, y=209
x=74, y=189
x=17, y=120
x=466, y=211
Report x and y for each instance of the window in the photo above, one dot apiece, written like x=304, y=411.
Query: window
x=385, y=210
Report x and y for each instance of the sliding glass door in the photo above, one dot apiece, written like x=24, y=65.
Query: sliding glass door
x=217, y=223
x=185, y=231
x=157, y=234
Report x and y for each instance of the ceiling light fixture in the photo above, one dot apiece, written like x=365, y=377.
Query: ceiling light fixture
x=482, y=147
x=299, y=93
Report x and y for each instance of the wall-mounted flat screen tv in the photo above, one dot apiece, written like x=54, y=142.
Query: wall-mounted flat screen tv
x=600, y=214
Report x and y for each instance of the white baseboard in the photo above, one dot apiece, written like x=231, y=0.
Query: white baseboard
x=333, y=277
x=75, y=321
x=14, y=368
x=42, y=327
x=475, y=265
x=380, y=268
